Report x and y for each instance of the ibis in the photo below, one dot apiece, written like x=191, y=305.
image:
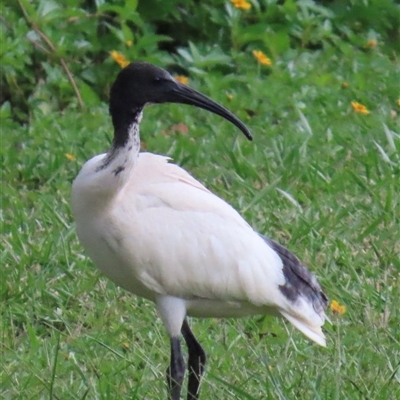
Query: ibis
x=157, y=232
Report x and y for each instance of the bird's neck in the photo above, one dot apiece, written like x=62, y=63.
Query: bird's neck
x=120, y=160
x=103, y=177
x=126, y=127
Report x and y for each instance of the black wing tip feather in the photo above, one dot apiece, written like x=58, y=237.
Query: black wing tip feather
x=299, y=280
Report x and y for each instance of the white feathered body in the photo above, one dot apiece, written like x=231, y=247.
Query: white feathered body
x=156, y=231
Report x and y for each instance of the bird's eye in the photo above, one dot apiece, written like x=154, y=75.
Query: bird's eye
x=158, y=79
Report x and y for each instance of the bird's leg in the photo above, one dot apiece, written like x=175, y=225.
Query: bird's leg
x=197, y=361
x=176, y=370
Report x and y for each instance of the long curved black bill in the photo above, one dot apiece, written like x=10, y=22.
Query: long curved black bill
x=185, y=95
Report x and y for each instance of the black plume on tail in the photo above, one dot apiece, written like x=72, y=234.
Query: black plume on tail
x=300, y=282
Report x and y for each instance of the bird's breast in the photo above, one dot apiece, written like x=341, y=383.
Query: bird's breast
x=113, y=250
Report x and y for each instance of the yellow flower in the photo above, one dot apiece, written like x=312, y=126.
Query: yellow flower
x=345, y=85
x=337, y=308
x=70, y=157
x=119, y=58
x=262, y=58
x=371, y=43
x=360, y=108
x=398, y=102
x=241, y=4
x=230, y=96
x=182, y=79
x=129, y=43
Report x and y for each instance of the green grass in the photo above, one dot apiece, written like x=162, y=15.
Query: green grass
x=318, y=177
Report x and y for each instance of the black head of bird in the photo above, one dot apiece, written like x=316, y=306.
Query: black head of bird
x=141, y=84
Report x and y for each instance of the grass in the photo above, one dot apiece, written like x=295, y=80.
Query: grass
x=318, y=177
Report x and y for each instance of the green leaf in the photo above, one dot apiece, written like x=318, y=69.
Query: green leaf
x=89, y=96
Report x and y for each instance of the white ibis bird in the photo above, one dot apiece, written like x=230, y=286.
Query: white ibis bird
x=157, y=232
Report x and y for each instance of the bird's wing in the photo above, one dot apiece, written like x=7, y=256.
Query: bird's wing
x=156, y=178
x=187, y=242
x=181, y=240
x=153, y=168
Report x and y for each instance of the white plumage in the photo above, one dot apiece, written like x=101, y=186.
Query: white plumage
x=159, y=233
x=163, y=233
